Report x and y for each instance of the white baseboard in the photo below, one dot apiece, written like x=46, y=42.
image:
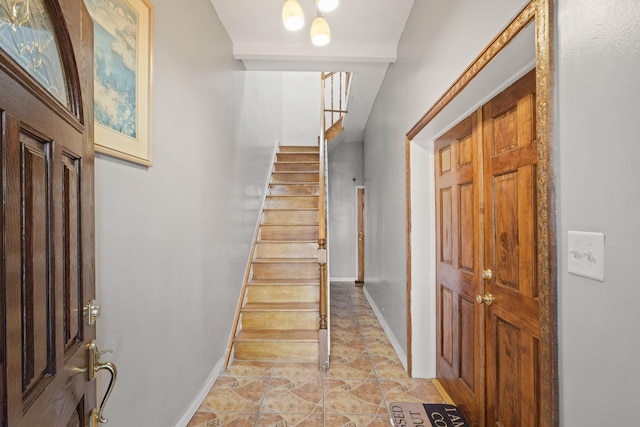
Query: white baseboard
x=342, y=279
x=394, y=342
x=202, y=394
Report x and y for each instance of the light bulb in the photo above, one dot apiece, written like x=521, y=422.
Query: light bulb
x=292, y=15
x=327, y=5
x=320, y=32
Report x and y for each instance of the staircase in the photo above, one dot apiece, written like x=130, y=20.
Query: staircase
x=278, y=319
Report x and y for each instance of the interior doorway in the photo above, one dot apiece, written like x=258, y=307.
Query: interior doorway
x=360, y=218
x=495, y=68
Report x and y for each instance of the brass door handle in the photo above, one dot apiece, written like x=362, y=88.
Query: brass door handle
x=487, y=274
x=485, y=299
x=94, y=366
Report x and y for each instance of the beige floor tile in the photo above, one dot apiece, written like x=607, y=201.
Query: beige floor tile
x=410, y=390
x=216, y=419
x=349, y=420
x=383, y=350
x=356, y=368
x=240, y=394
x=352, y=396
x=297, y=370
x=341, y=335
x=301, y=396
x=242, y=368
x=289, y=420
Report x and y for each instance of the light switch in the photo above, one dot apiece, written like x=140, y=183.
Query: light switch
x=586, y=254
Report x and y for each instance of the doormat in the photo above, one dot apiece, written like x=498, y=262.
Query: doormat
x=405, y=414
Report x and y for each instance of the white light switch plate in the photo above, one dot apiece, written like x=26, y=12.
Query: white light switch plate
x=586, y=254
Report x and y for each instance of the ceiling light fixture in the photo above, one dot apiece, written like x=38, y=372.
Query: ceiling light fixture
x=327, y=5
x=293, y=19
x=292, y=15
x=320, y=32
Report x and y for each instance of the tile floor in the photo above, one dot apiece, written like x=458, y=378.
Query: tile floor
x=364, y=376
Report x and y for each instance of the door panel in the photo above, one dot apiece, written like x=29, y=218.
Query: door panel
x=510, y=251
x=47, y=232
x=459, y=320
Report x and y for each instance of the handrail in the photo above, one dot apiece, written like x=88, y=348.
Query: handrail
x=323, y=201
x=323, y=331
x=337, y=99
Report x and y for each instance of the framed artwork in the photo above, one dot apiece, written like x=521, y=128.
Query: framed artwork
x=123, y=55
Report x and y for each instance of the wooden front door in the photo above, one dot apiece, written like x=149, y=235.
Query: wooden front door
x=360, y=207
x=487, y=306
x=47, y=217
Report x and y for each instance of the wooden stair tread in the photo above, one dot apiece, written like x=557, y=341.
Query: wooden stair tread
x=283, y=282
x=288, y=335
x=300, y=150
x=286, y=241
x=291, y=209
x=284, y=260
x=281, y=306
x=294, y=172
x=294, y=183
x=310, y=162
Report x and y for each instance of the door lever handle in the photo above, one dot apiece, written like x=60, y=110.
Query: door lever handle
x=94, y=367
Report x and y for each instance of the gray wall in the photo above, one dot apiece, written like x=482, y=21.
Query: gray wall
x=173, y=240
x=425, y=68
x=345, y=164
x=596, y=147
x=301, y=107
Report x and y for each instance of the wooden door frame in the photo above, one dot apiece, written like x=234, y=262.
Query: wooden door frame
x=364, y=195
x=541, y=13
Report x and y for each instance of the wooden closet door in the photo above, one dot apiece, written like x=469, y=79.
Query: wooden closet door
x=460, y=324
x=510, y=159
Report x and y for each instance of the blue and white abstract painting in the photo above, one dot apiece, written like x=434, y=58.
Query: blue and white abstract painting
x=115, y=48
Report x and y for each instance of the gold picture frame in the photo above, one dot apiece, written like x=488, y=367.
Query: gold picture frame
x=123, y=59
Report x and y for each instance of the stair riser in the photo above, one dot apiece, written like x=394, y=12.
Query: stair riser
x=284, y=232
x=293, y=177
x=285, y=271
x=292, y=202
x=290, y=217
x=297, y=157
x=281, y=320
x=276, y=352
x=296, y=167
x=286, y=250
x=283, y=293
x=293, y=190
x=299, y=148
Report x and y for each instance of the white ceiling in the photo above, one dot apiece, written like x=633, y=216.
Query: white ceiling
x=364, y=39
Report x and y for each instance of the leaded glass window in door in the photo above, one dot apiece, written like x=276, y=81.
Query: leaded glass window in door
x=28, y=36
